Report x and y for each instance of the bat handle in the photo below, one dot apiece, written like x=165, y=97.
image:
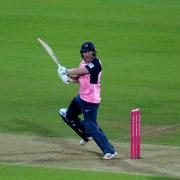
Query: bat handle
x=59, y=66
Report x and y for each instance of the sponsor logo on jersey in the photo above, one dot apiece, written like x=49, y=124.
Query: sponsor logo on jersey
x=91, y=65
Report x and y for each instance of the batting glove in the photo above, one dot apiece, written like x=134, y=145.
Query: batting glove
x=64, y=78
x=62, y=70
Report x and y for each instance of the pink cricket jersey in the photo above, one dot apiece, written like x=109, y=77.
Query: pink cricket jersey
x=90, y=83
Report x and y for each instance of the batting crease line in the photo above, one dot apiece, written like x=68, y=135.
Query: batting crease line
x=156, y=130
x=161, y=129
x=26, y=161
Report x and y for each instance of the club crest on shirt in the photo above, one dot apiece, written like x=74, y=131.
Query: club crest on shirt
x=91, y=65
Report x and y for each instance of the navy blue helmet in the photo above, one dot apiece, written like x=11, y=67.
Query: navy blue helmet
x=87, y=46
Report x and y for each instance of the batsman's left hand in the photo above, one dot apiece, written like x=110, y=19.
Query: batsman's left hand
x=62, y=70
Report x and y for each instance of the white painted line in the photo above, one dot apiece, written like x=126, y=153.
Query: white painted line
x=28, y=161
x=160, y=129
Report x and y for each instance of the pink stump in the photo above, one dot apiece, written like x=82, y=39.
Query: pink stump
x=135, y=134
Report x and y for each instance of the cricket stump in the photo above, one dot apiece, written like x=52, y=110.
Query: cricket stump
x=135, y=134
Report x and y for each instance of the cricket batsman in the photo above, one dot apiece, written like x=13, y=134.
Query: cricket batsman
x=87, y=101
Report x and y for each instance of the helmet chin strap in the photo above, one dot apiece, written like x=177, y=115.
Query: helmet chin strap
x=89, y=60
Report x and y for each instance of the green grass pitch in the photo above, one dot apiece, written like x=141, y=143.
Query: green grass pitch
x=31, y=173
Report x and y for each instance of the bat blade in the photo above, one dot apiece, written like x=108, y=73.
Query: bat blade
x=49, y=51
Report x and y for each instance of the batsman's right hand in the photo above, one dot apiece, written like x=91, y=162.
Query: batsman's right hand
x=62, y=73
x=64, y=78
